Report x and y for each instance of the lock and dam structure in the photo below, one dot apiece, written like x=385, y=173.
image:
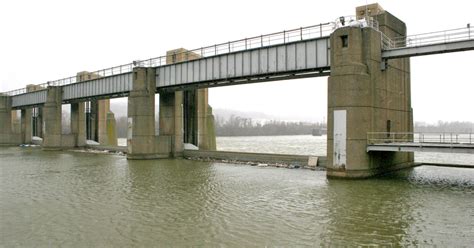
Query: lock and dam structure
x=366, y=59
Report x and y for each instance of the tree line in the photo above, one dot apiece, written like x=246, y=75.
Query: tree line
x=240, y=126
x=445, y=126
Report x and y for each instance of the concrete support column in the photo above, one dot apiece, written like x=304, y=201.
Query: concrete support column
x=363, y=98
x=101, y=111
x=111, y=129
x=39, y=122
x=141, y=140
x=206, y=128
x=102, y=120
x=5, y=120
x=198, y=124
x=171, y=121
x=52, y=119
x=16, y=125
x=78, y=123
x=26, y=125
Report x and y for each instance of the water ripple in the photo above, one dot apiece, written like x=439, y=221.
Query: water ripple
x=77, y=199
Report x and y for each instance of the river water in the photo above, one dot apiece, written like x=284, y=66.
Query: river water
x=74, y=199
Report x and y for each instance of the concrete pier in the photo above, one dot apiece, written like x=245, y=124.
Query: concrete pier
x=206, y=128
x=78, y=123
x=52, y=119
x=363, y=97
x=106, y=133
x=141, y=140
x=6, y=127
x=171, y=123
x=26, y=125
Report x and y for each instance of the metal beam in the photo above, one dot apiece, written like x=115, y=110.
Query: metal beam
x=246, y=80
x=288, y=59
x=421, y=148
x=447, y=47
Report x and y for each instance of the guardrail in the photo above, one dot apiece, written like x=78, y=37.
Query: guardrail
x=438, y=37
x=368, y=21
x=299, y=34
x=419, y=137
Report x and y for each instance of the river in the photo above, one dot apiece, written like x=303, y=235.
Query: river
x=73, y=199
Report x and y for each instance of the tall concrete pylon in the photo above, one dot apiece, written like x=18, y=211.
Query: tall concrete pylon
x=364, y=98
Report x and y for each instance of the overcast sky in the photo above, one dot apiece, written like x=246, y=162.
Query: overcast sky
x=46, y=40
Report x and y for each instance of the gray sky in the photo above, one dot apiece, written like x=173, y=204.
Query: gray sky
x=47, y=40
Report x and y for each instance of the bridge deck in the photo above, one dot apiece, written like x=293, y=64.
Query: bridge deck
x=421, y=147
x=449, y=47
x=305, y=58
x=446, y=41
x=420, y=142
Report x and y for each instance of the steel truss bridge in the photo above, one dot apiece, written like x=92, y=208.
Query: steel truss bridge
x=297, y=53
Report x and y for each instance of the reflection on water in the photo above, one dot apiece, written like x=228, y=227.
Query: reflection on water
x=77, y=199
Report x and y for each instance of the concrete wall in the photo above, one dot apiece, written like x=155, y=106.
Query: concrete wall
x=254, y=157
x=373, y=99
x=68, y=141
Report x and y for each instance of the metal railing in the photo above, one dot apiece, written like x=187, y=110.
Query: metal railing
x=419, y=137
x=303, y=33
x=367, y=21
x=438, y=37
x=74, y=79
x=299, y=34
